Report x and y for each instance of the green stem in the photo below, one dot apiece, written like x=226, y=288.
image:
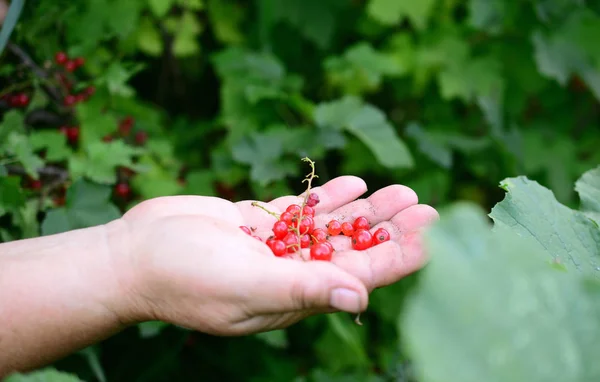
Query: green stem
x=255, y=204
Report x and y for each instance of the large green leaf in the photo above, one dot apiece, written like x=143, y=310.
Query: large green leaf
x=11, y=194
x=565, y=235
x=588, y=187
x=87, y=205
x=370, y=125
x=20, y=147
x=54, y=142
x=101, y=160
x=489, y=307
x=43, y=375
x=392, y=12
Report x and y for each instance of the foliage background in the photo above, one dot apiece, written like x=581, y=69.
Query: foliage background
x=449, y=97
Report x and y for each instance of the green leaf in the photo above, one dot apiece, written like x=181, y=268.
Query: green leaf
x=490, y=308
x=274, y=338
x=124, y=17
x=436, y=151
x=487, y=15
x=226, y=19
x=565, y=235
x=13, y=122
x=149, y=39
x=200, y=183
x=478, y=77
x=88, y=204
x=10, y=21
x=150, y=329
x=369, y=125
x=588, y=188
x=186, y=30
x=19, y=146
x=160, y=7
x=392, y=12
x=116, y=76
x=102, y=159
x=155, y=180
x=11, y=194
x=54, y=142
x=43, y=375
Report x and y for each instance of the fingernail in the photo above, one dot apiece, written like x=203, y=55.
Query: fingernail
x=346, y=300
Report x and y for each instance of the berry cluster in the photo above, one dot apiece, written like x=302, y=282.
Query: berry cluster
x=71, y=65
x=16, y=99
x=295, y=229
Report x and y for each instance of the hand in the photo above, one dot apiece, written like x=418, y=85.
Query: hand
x=190, y=264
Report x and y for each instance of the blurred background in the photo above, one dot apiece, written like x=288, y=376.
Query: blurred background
x=106, y=103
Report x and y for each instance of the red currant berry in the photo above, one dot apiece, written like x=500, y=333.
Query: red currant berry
x=70, y=100
x=361, y=222
x=291, y=242
x=321, y=251
x=313, y=200
x=380, y=236
x=141, y=137
x=329, y=245
x=21, y=100
x=278, y=248
x=246, y=229
x=35, y=184
x=307, y=225
x=73, y=134
x=61, y=58
x=347, y=229
x=319, y=235
x=280, y=229
x=79, y=61
x=294, y=209
x=287, y=218
x=308, y=211
x=334, y=228
x=70, y=66
x=362, y=239
x=122, y=190
x=90, y=90
x=304, y=241
x=80, y=97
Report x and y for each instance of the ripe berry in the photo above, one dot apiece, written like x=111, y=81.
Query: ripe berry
x=321, y=251
x=278, y=248
x=125, y=125
x=280, y=229
x=20, y=100
x=287, y=218
x=70, y=100
x=304, y=241
x=380, y=236
x=61, y=58
x=80, y=97
x=308, y=211
x=70, y=66
x=291, y=242
x=294, y=209
x=246, y=229
x=313, y=199
x=35, y=184
x=319, y=235
x=122, y=189
x=329, y=245
x=347, y=229
x=307, y=225
x=361, y=222
x=334, y=228
x=362, y=239
x=90, y=90
x=79, y=61
x=141, y=137
x=73, y=134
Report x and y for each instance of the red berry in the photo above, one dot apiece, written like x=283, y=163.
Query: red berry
x=287, y=218
x=141, y=137
x=21, y=100
x=278, y=248
x=80, y=97
x=294, y=209
x=35, y=184
x=319, y=235
x=361, y=222
x=347, y=229
x=61, y=58
x=125, y=125
x=79, y=61
x=70, y=66
x=307, y=225
x=380, y=236
x=313, y=199
x=334, y=228
x=246, y=229
x=122, y=189
x=73, y=134
x=280, y=229
x=329, y=245
x=321, y=251
x=308, y=211
x=90, y=90
x=291, y=242
x=70, y=100
x=362, y=239
x=304, y=241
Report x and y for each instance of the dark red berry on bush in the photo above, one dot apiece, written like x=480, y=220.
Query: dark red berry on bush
x=61, y=58
x=141, y=137
x=90, y=90
x=70, y=66
x=35, y=184
x=125, y=126
x=79, y=62
x=80, y=97
x=123, y=190
x=19, y=100
x=73, y=134
x=70, y=100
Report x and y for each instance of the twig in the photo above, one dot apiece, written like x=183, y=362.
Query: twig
x=48, y=171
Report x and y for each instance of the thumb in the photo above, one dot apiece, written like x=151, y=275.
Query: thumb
x=310, y=286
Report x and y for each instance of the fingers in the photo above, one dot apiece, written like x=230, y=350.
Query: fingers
x=316, y=286
x=382, y=205
x=333, y=194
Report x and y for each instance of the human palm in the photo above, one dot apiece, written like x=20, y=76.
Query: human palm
x=201, y=271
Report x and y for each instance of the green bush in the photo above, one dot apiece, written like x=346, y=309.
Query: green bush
x=449, y=97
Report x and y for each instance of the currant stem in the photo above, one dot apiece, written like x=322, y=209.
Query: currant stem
x=255, y=204
x=309, y=178
x=357, y=320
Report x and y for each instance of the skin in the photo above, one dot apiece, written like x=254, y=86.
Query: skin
x=184, y=260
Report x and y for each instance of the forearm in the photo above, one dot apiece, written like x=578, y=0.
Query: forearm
x=58, y=294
